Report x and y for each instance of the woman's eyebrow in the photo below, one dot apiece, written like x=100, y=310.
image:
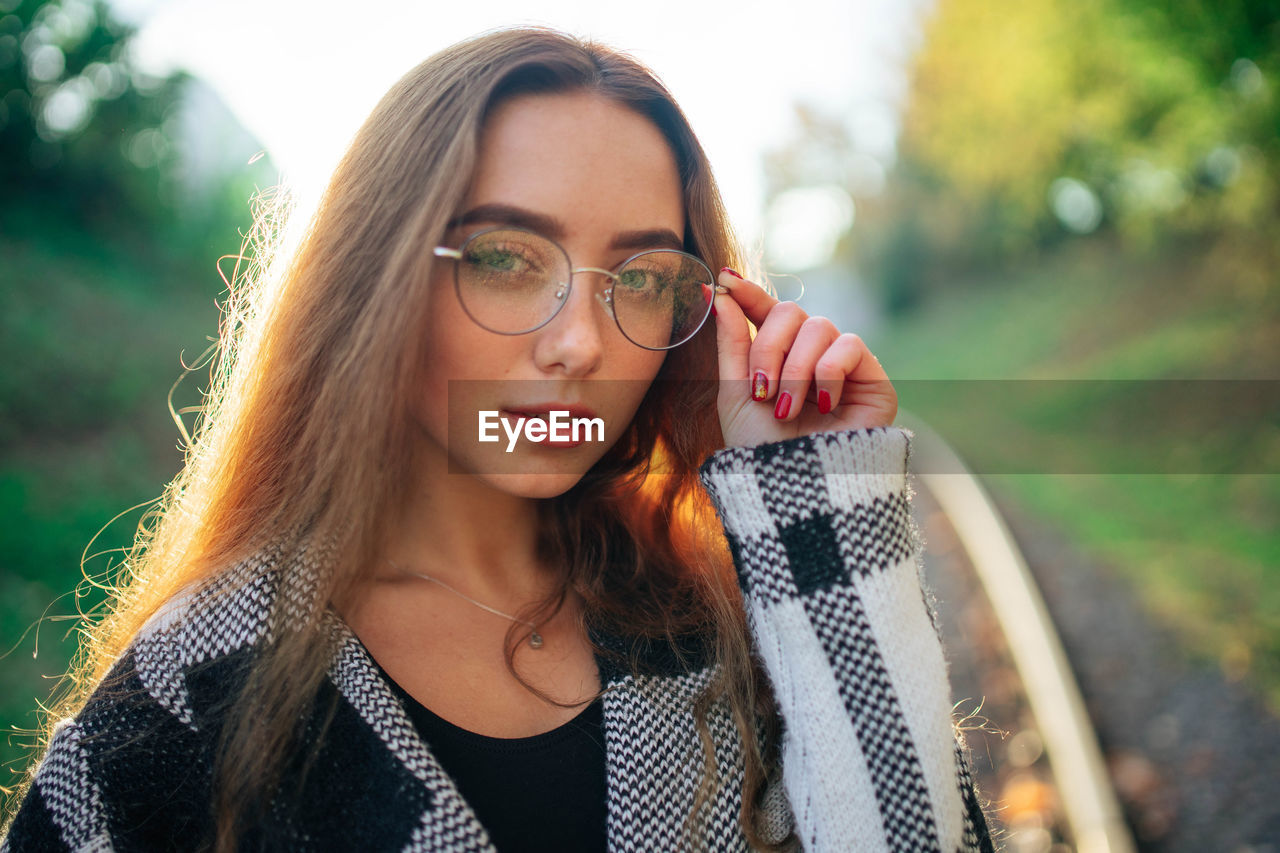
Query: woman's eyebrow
x=506, y=214
x=654, y=238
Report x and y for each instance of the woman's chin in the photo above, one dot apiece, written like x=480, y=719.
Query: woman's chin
x=534, y=485
x=531, y=472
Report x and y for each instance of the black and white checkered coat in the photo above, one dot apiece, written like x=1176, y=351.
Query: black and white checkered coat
x=827, y=556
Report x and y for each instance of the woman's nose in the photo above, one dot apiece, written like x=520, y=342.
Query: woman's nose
x=574, y=339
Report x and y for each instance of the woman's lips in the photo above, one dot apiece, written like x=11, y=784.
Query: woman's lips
x=515, y=416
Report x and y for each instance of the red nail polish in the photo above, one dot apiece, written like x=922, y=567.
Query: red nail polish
x=710, y=292
x=760, y=386
x=784, y=405
x=824, y=400
x=730, y=272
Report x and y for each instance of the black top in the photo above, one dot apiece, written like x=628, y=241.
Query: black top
x=532, y=794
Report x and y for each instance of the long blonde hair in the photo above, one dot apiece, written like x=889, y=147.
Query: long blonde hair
x=305, y=429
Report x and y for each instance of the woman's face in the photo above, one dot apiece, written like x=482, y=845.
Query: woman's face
x=601, y=181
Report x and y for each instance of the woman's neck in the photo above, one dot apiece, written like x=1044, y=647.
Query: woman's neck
x=464, y=531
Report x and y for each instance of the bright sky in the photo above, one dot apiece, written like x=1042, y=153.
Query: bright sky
x=303, y=76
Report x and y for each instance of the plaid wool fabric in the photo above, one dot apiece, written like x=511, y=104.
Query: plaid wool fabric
x=828, y=559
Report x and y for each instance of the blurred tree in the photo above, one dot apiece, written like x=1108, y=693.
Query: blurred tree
x=1027, y=124
x=81, y=127
x=91, y=138
x=121, y=189
x=1050, y=118
x=118, y=192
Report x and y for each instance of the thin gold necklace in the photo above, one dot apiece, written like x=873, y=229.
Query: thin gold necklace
x=535, y=639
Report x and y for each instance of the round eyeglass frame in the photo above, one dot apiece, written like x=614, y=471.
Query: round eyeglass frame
x=563, y=297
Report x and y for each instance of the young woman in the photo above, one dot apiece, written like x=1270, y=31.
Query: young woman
x=360, y=626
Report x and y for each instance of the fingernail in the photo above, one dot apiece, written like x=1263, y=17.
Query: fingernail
x=760, y=386
x=784, y=405
x=730, y=272
x=824, y=400
x=713, y=309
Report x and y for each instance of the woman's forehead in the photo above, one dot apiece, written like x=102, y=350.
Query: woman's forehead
x=580, y=158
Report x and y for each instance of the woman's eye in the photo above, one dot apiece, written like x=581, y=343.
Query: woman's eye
x=640, y=279
x=501, y=260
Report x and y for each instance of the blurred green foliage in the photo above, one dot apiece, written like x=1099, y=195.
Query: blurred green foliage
x=1030, y=124
x=109, y=232
x=80, y=126
x=1091, y=190
x=89, y=136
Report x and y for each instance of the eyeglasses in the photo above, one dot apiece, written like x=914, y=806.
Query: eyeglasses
x=513, y=281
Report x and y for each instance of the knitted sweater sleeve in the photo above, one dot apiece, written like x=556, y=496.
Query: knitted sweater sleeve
x=828, y=560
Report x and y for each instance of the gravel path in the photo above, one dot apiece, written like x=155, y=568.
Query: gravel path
x=1194, y=757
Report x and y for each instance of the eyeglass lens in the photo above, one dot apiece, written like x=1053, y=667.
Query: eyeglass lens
x=512, y=281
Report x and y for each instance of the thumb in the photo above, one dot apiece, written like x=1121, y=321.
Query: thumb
x=733, y=331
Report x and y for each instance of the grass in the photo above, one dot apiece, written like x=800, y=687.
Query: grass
x=1200, y=546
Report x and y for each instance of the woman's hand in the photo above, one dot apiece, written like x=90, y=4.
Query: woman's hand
x=815, y=379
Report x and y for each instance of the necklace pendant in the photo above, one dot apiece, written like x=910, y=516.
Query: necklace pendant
x=535, y=640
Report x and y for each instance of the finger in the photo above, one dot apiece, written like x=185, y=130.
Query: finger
x=733, y=336
x=773, y=341
x=847, y=360
x=755, y=301
x=811, y=344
